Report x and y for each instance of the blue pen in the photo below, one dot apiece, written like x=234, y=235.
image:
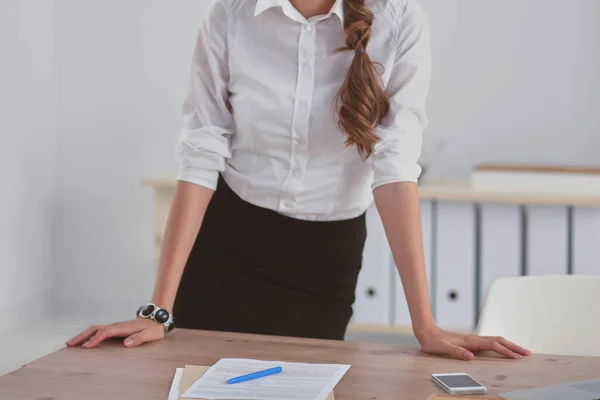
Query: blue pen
x=254, y=375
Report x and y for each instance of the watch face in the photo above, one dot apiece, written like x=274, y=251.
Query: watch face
x=161, y=316
x=147, y=310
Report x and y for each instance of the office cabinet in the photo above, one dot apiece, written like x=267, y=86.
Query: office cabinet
x=546, y=242
x=373, y=292
x=400, y=313
x=586, y=241
x=500, y=241
x=454, y=279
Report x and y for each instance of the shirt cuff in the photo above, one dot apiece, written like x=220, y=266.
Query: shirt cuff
x=396, y=157
x=200, y=177
x=408, y=174
x=389, y=180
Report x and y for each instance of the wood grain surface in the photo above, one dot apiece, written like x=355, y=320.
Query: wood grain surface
x=378, y=371
x=539, y=168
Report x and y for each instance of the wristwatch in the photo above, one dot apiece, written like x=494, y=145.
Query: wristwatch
x=157, y=314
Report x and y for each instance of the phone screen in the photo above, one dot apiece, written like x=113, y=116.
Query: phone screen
x=458, y=381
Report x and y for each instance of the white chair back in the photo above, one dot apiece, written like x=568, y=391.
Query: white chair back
x=547, y=314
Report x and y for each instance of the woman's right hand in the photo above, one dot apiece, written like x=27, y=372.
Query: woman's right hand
x=135, y=332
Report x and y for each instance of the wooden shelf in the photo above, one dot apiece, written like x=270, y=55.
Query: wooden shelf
x=460, y=191
x=161, y=182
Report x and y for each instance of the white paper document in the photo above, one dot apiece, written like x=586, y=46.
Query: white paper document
x=174, y=392
x=296, y=381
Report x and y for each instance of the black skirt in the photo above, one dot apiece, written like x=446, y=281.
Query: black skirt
x=253, y=270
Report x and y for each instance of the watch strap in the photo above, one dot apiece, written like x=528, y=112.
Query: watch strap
x=157, y=314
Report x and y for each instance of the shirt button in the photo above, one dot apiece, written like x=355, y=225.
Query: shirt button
x=303, y=105
x=304, y=68
x=308, y=28
x=287, y=205
x=296, y=140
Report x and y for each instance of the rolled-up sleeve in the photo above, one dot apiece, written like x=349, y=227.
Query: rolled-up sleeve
x=396, y=155
x=205, y=141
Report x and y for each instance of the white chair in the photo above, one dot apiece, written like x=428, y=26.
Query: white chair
x=548, y=314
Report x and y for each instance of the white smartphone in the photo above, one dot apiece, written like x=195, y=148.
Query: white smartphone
x=458, y=384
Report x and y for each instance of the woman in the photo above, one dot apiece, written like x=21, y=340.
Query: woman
x=299, y=113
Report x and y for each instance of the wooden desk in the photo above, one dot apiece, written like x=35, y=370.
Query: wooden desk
x=378, y=371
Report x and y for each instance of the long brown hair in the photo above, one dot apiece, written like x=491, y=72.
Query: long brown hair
x=361, y=101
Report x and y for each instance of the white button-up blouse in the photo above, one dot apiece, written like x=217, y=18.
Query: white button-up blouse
x=260, y=106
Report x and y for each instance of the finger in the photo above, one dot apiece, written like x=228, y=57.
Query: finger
x=118, y=330
x=484, y=344
x=511, y=346
x=451, y=350
x=147, y=335
x=97, y=338
x=83, y=336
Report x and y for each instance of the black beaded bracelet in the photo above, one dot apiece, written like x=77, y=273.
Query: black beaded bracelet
x=156, y=314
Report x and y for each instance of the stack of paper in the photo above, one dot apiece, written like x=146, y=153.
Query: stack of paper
x=176, y=385
x=297, y=381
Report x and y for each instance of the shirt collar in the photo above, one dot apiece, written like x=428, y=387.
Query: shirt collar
x=338, y=9
x=263, y=5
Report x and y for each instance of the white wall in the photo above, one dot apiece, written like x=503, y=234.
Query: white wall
x=506, y=73
x=515, y=81
x=123, y=67
x=28, y=168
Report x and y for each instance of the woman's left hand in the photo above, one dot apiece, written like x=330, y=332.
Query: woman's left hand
x=460, y=346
